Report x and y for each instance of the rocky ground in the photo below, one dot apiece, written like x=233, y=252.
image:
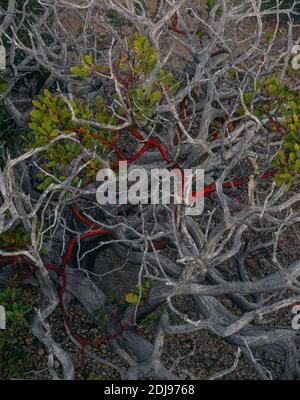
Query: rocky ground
x=198, y=355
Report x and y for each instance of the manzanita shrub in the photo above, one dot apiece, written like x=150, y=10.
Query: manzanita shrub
x=174, y=86
x=52, y=115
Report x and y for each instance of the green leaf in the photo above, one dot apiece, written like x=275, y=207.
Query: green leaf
x=100, y=68
x=88, y=59
x=285, y=176
x=132, y=298
x=47, y=93
x=33, y=126
x=75, y=70
x=210, y=4
x=47, y=182
x=4, y=86
x=51, y=164
x=101, y=118
x=83, y=71
x=148, y=284
x=36, y=114
x=155, y=96
x=54, y=133
x=37, y=104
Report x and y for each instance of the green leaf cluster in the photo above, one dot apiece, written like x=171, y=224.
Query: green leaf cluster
x=4, y=84
x=14, y=356
x=141, y=62
x=144, y=101
x=145, y=55
x=16, y=237
x=134, y=68
x=52, y=117
x=278, y=103
x=287, y=161
x=210, y=4
x=116, y=18
x=133, y=296
x=87, y=67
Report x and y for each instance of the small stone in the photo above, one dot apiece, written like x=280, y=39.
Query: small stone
x=56, y=364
